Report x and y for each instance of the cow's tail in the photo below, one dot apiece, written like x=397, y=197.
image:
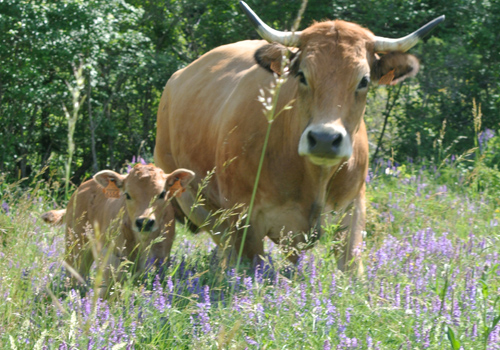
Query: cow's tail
x=54, y=217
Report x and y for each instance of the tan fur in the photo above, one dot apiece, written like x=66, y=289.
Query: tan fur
x=209, y=118
x=403, y=64
x=54, y=217
x=105, y=229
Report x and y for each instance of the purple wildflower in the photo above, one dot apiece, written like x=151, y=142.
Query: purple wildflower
x=348, y=315
x=160, y=302
x=251, y=341
x=456, y=313
x=484, y=137
x=397, y=295
x=248, y=284
x=369, y=342
x=474, y=331
x=407, y=297
x=416, y=307
x=354, y=342
x=331, y=313
x=5, y=207
x=303, y=296
x=494, y=336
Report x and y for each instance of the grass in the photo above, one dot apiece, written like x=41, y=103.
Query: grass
x=432, y=281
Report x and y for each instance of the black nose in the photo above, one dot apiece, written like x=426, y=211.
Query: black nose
x=144, y=224
x=325, y=144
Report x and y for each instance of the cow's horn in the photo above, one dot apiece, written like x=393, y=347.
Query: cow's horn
x=407, y=42
x=268, y=33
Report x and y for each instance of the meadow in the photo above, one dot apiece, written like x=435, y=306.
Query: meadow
x=432, y=279
x=431, y=252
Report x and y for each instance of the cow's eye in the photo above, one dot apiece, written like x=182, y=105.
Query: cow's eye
x=162, y=195
x=363, y=83
x=301, y=77
x=127, y=196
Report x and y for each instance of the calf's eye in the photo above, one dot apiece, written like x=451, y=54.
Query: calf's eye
x=301, y=77
x=162, y=195
x=127, y=196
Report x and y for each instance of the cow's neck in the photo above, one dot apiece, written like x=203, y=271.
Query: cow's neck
x=321, y=177
x=320, y=197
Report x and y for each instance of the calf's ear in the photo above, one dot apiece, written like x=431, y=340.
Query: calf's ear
x=108, y=178
x=270, y=56
x=177, y=181
x=394, y=67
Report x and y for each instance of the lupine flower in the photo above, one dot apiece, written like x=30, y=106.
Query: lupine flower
x=407, y=297
x=484, y=137
x=348, y=315
x=5, y=207
x=251, y=341
x=369, y=342
x=397, y=296
x=331, y=313
x=160, y=300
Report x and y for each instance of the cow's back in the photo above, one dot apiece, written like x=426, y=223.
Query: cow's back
x=192, y=113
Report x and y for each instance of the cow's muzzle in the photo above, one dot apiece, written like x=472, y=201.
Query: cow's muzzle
x=325, y=146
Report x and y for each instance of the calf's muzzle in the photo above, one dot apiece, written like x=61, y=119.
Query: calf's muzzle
x=145, y=224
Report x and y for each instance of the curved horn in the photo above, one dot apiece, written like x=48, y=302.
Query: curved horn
x=268, y=33
x=404, y=44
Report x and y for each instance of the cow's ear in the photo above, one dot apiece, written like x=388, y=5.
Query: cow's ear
x=108, y=178
x=270, y=56
x=394, y=67
x=177, y=181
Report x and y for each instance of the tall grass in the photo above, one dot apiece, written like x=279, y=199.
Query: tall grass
x=72, y=117
x=432, y=280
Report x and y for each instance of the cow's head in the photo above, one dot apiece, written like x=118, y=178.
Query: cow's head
x=147, y=191
x=333, y=64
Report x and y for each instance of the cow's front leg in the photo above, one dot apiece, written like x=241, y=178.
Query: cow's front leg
x=354, y=220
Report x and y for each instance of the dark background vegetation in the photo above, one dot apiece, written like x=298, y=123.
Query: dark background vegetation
x=129, y=49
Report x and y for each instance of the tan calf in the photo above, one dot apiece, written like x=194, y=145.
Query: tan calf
x=113, y=218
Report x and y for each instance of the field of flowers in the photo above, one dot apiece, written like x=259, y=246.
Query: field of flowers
x=432, y=280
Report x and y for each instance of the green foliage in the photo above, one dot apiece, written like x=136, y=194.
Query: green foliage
x=40, y=45
x=492, y=153
x=454, y=342
x=130, y=48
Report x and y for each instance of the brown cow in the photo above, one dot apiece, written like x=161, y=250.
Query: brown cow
x=118, y=216
x=316, y=162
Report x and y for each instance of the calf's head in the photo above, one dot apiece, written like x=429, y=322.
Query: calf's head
x=147, y=191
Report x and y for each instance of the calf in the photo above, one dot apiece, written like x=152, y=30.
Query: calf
x=114, y=218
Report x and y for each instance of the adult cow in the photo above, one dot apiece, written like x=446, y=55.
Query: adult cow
x=317, y=158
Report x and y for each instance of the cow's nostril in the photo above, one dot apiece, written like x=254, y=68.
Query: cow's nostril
x=311, y=139
x=337, y=140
